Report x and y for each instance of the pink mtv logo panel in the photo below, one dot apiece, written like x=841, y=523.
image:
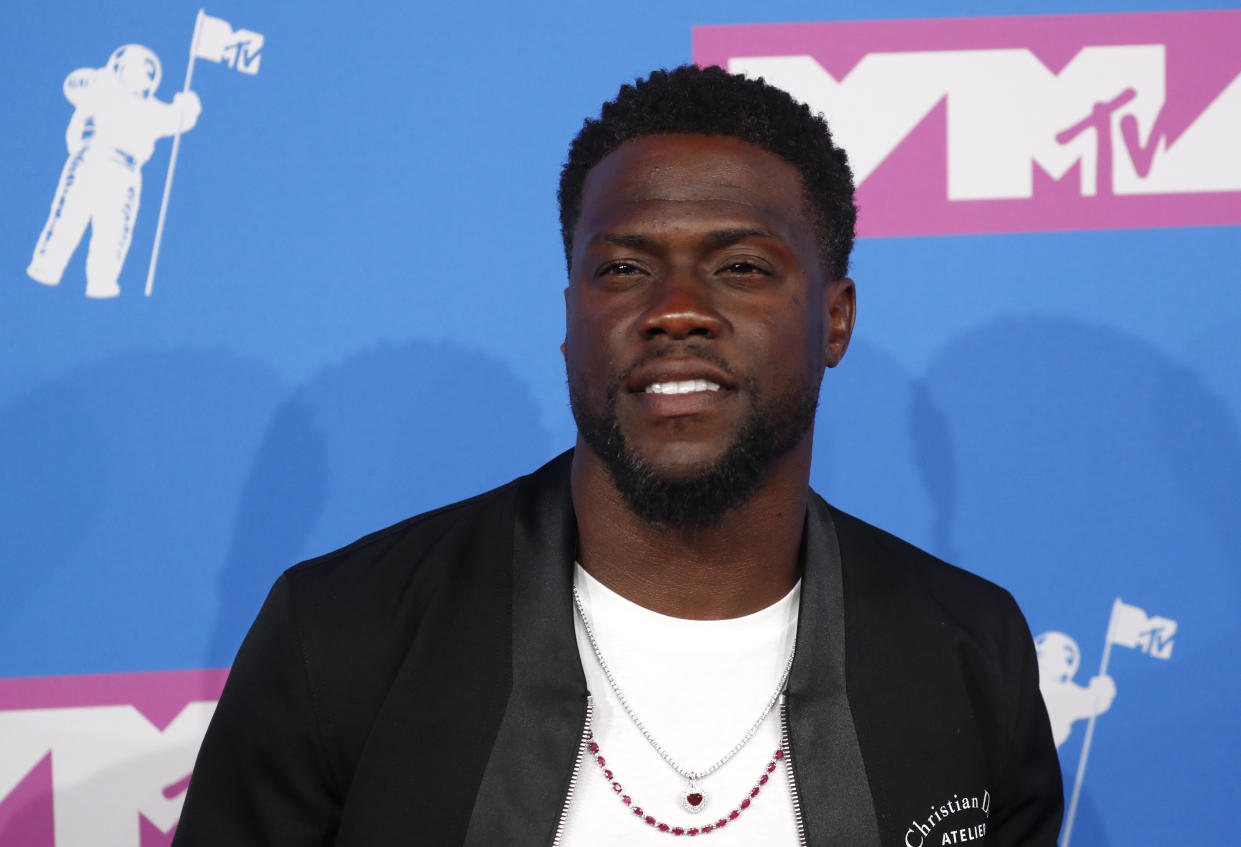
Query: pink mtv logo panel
x=60, y=708
x=1015, y=124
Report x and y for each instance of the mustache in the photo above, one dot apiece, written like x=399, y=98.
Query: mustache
x=690, y=350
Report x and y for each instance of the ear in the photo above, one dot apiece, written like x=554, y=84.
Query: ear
x=566, y=322
x=839, y=312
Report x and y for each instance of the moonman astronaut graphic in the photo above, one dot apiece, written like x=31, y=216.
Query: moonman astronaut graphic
x=1067, y=702
x=116, y=122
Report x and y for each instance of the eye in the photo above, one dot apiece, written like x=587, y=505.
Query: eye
x=744, y=269
x=619, y=269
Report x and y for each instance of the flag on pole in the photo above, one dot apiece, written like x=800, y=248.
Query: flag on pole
x=217, y=42
x=1129, y=626
x=1132, y=627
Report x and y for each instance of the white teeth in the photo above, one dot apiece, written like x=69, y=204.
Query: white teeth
x=685, y=386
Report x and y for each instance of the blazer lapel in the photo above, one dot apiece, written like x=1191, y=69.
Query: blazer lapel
x=522, y=793
x=527, y=776
x=826, y=758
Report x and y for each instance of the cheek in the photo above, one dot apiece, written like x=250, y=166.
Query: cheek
x=589, y=361
x=582, y=340
x=595, y=334
x=578, y=331
x=786, y=344
x=809, y=338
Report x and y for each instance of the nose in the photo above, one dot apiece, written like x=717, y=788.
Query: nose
x=680, y=308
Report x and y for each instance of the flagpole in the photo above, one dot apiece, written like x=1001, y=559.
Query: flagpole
x=1081, y=761
x=172, y=160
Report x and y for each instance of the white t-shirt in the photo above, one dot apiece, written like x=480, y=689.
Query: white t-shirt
x=698, y=686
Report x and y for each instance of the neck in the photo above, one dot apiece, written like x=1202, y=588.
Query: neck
x=746, y=562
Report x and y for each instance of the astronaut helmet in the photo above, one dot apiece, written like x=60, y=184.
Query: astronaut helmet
x=136, y=68
x=1058, y=656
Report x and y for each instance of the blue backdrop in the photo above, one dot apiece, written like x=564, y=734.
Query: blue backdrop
x=357, y=314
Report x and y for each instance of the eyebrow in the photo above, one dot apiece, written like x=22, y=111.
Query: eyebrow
x=715, y=238
x=725, y=237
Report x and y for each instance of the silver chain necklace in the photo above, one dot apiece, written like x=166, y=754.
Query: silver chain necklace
x=692, y=799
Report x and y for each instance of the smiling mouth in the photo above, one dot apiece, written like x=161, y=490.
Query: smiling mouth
x=683, y=386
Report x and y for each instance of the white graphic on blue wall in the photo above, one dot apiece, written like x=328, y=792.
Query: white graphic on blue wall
x=216, y=41
x=1068, y=702
x=112, y=133
x=116, y=122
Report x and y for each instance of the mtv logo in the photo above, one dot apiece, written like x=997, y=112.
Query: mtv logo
x=1130, y=626
x=244, y=53
x=104, y=759
x=217, y=41
x=1010, y=124
x=1157, y=640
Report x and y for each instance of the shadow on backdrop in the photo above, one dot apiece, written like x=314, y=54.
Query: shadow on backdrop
x=122, y=475
x=864, y=457
x=384, y=435
x=55, y=475
x=936, y=462
x=1202, y=449
x=1090, y=465
x=1078, y=447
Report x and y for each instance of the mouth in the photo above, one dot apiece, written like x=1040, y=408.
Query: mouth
x=681, y=386
x=671, y=388
x=675, y=376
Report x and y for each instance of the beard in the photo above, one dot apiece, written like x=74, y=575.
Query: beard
x=770, y=429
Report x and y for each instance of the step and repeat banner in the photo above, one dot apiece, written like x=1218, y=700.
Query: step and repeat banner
x=276, y=275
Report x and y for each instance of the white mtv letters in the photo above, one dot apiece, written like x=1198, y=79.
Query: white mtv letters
x=1006, y=110
x=116, y=122
x=1067, y=702
x=109, y=764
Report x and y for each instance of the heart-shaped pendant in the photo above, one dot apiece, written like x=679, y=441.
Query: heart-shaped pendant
x=693, y=801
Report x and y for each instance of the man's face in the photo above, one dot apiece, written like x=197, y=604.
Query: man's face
x=699, y=321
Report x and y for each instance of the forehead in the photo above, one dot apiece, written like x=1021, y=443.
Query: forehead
x=679, y=177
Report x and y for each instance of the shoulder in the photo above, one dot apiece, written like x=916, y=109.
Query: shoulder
x=372, y=596
x=413, y=556
x=943, y=685
x=922, y=619
x=879, y=567
x=353, y=618
x=468, y=539
x=386, y=577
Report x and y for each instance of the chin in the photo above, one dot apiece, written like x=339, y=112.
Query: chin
x=678, y=462
x=692, y=484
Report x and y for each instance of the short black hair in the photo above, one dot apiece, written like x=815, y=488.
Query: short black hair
x=711, y=101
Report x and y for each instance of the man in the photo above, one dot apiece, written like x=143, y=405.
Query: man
x=663, y=632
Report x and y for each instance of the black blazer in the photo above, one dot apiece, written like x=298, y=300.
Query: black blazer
x=423, y=687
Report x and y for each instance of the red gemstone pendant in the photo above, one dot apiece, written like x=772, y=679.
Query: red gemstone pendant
x=693, y=800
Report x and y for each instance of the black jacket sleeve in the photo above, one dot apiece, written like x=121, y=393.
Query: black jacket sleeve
x=261, y=776
x=1030, y=773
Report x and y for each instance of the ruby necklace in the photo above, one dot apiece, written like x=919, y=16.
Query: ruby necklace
x=692, y=799
x=687, y=800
